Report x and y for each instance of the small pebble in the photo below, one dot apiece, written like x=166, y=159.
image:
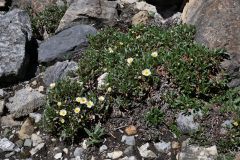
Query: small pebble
x=78, y=152
x=58, y=156
x=163, y=147
x=131, y=130
x=40, y=88
x=103, y=148
x=53, y=139
x=175, y=145
x=65, y=150
x=84, y=144
x=27, y=143
x=34, y=83
x=9, y=154
x=115, y=154
x=129, y=140
x=129, y=151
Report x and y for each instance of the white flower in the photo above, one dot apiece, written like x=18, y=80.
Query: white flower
x=146, y=72
x=110, y=50
x=52, y=85
x=129, y=61
x=62, y=120
x=109, y=89
x=63, y=112
x=154, y=54
x=90, y=104
x=77, y=110
x=81, y=100
x=101, y=98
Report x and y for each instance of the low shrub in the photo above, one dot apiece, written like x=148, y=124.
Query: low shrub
x=70, y=108
x=133, y=64
x=95, y=135
x=47, y=20
x=154, y=117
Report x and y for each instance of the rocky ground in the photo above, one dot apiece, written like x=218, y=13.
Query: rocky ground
x=28, y=66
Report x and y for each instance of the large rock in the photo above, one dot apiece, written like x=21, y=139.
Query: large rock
x=186, y=122
x=65, y=43
x=90, y=12
x=6, y=145
x=141, y=17
x=145, y=152
x=218, y=26
x=15, y=35
x=58, y=71
x=192, y=152
x=2, y=3
x=26, y=130
x=8, y=121
x=143, y=6
x=38, y=5
x=25, y=101
x=163, y=147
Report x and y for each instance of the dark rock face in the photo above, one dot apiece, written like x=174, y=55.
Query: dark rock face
x=167, y=7
x=58, y=71
x=218, y=26
x=15, y=36
x=65, y=43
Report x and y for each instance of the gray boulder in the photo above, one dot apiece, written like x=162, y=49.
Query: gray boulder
x=65, y=43
x=128, y=140
x=79, y=152
x=163, y=147
x=218, y=26
x=186, y=123
x=15, y=35
x=90, y=12
x=58, y=71
x=192, y=152
x=6, y=145
x=25, y=101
